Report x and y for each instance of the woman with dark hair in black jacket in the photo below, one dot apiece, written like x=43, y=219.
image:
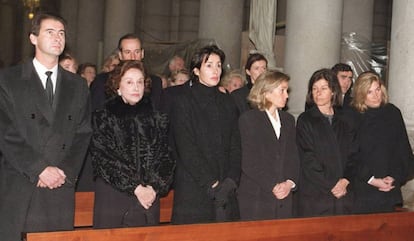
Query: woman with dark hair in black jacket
x=326, y=144
x=130, y=153
x=207, y=145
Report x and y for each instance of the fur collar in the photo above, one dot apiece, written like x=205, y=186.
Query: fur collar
x=118, y=107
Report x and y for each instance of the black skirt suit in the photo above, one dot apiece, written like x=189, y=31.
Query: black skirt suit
x=266, y=161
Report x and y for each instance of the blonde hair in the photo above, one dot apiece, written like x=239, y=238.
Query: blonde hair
x=265, y=83
x=361, y=87
x=225, y=81
x=107, y=65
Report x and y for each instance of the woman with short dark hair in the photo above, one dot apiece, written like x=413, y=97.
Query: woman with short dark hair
x=256, y=64
x=326, y=144
x=207, y=141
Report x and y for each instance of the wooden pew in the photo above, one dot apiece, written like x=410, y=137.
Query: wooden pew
x=396, y=226
x=84, y=202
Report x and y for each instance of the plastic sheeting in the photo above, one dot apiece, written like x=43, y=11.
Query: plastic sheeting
x=363, y=55
x=157, y=55
x=262, y=27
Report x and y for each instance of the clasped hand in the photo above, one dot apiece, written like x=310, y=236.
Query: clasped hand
x=339, y=190
x=282, y=190
x=51, y=177
x=385, y=184
x=145, y=195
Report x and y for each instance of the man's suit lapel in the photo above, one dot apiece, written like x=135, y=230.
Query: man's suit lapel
x=38, y=92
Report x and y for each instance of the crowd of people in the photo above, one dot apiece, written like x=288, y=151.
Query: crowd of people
x=228, y=149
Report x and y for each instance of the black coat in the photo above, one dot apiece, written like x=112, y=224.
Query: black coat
x=266, y=161
x=98, y=98
x=129, y=147
x=326, y=156
x=206, y=135
x=384, y=150
x=240, y=98
x=35, y=135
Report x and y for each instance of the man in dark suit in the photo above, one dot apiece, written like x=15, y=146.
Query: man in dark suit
x=45, y=131
x=345, y=77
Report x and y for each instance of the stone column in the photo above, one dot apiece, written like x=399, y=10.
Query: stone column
x=7, y=27
x=222, y=21
x=401, y=85
x=156, y=20
x=188, y=19
x=90, y=28
x=313, y=41
x=119, y=20
x=69, y=11
x=27, y=47
x=358, y=18
x=401, y=72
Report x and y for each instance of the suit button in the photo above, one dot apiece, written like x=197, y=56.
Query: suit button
x=63, y=147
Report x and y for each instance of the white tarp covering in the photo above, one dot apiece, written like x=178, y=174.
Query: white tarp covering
x=262, y=27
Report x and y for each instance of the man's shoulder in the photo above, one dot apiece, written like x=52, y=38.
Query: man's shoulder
x=101, y=78
x=13, y=74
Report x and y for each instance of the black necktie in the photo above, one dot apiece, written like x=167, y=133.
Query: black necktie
x=49, y=87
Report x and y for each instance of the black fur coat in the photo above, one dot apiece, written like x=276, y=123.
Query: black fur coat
x=130, y=147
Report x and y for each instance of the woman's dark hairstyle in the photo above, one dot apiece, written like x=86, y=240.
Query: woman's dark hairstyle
x=330, y=76
x=37, y=20
x=250, y=61
x=202, y=55
x=116, y=75
x=82, y=67
x=66, y=55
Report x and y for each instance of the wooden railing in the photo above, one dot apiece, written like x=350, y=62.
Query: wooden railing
x=84, y=208
x=396, y=226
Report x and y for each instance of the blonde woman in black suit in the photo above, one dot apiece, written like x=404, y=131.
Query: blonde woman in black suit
x=270, y=160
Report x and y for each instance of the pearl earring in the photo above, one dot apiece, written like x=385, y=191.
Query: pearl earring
x=119, y=92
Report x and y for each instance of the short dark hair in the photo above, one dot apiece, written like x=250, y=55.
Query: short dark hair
x=128, y=36
x=254, y=58
x=202, y=55
x=115, y=77
x=66, y=55
x=250, y=61
x=333, y=84
x=82, y=67
x=38, y=19
x=341, y=67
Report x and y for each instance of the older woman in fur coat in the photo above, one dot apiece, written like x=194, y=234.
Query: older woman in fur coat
x=130, y=154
